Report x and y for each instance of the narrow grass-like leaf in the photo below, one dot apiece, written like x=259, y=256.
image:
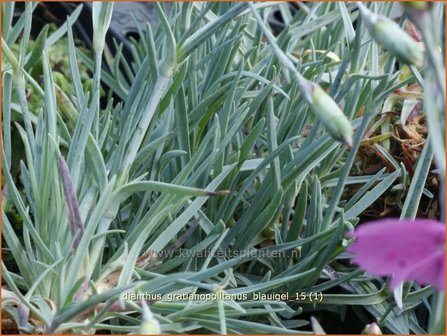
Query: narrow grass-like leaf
x=416, y=189
x=38, y=49
x=135, y=187
x=176, y=226
x=371, y=196
x=6, y=116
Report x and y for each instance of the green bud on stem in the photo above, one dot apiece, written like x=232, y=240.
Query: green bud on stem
x=393, y=38
x=328, y=112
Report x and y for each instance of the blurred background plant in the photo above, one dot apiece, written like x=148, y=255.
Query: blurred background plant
x=203, y=140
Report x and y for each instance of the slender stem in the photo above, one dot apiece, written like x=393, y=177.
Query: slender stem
x=285, y=61
x=97, y=88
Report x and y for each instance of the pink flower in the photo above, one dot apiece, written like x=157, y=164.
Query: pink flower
x=404, y=250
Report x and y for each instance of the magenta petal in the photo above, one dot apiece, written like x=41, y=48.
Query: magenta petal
x=430, y=271
x=408, y=250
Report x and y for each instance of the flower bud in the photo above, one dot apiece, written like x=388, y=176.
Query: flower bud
x=149, y=326
x=328, y=112
x=372, y=329
x=394, y=39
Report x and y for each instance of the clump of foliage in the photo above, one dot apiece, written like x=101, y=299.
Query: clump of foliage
x=212, y=143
